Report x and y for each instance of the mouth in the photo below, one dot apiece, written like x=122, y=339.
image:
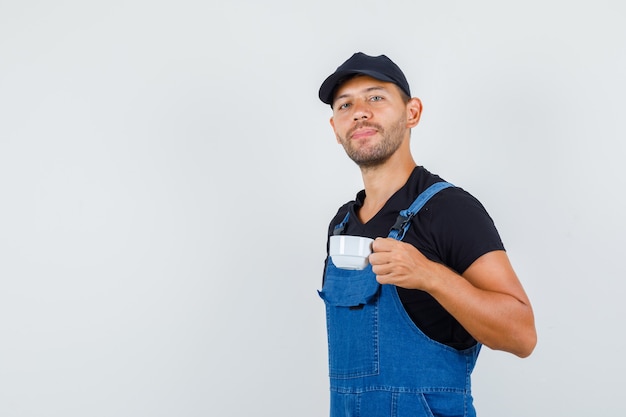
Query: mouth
x=363, y=133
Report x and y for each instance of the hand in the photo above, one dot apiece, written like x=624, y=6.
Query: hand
x=401, y=264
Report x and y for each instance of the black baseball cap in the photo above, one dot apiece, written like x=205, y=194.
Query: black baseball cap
x=379, y=67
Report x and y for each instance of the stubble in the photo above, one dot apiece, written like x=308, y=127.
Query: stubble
x=372, y=154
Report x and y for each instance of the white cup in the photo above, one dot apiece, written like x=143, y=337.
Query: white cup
x=350, y=252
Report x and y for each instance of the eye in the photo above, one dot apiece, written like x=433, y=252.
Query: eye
x=376, y=98
x=343, y=106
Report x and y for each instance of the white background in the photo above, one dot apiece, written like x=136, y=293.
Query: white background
x=167, y=174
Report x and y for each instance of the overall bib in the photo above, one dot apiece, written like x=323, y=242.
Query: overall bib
x=380, y=363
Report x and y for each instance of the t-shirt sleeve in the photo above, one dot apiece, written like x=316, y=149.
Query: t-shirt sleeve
x=461, y=229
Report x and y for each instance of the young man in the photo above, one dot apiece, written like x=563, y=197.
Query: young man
x=404, y=333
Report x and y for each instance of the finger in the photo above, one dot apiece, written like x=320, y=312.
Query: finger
x=378, y=258
x=383, y=244
x=385, y=278
x=382, y=269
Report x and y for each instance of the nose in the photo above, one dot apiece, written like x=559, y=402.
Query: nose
x=360, y=111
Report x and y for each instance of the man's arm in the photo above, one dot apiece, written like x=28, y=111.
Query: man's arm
x=488, y=299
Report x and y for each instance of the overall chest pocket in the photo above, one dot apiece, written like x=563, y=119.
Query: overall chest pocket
x=351, y=298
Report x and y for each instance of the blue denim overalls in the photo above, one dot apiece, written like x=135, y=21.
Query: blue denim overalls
x=380, y=363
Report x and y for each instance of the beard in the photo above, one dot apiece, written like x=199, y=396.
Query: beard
x=369, y=155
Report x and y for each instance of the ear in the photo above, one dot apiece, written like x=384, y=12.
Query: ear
x=413, y=111
x=332, y=123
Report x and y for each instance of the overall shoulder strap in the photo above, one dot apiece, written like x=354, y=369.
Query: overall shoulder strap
x=339, y=228
x=403, y=222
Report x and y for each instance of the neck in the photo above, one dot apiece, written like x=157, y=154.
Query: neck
x=382, y=181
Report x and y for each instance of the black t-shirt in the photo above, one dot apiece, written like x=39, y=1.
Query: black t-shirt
x=453, y=228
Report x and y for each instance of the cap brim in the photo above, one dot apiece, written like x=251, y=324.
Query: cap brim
x=330, y=84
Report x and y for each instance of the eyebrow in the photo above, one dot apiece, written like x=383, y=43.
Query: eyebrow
x=367, y=90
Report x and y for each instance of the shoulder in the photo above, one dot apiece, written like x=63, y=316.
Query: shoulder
x=455, y=212
x=460, y=227
x=456, y=200
x=421, y=179
x=453, y=198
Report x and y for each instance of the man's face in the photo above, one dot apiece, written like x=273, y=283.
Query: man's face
x=369, y=120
